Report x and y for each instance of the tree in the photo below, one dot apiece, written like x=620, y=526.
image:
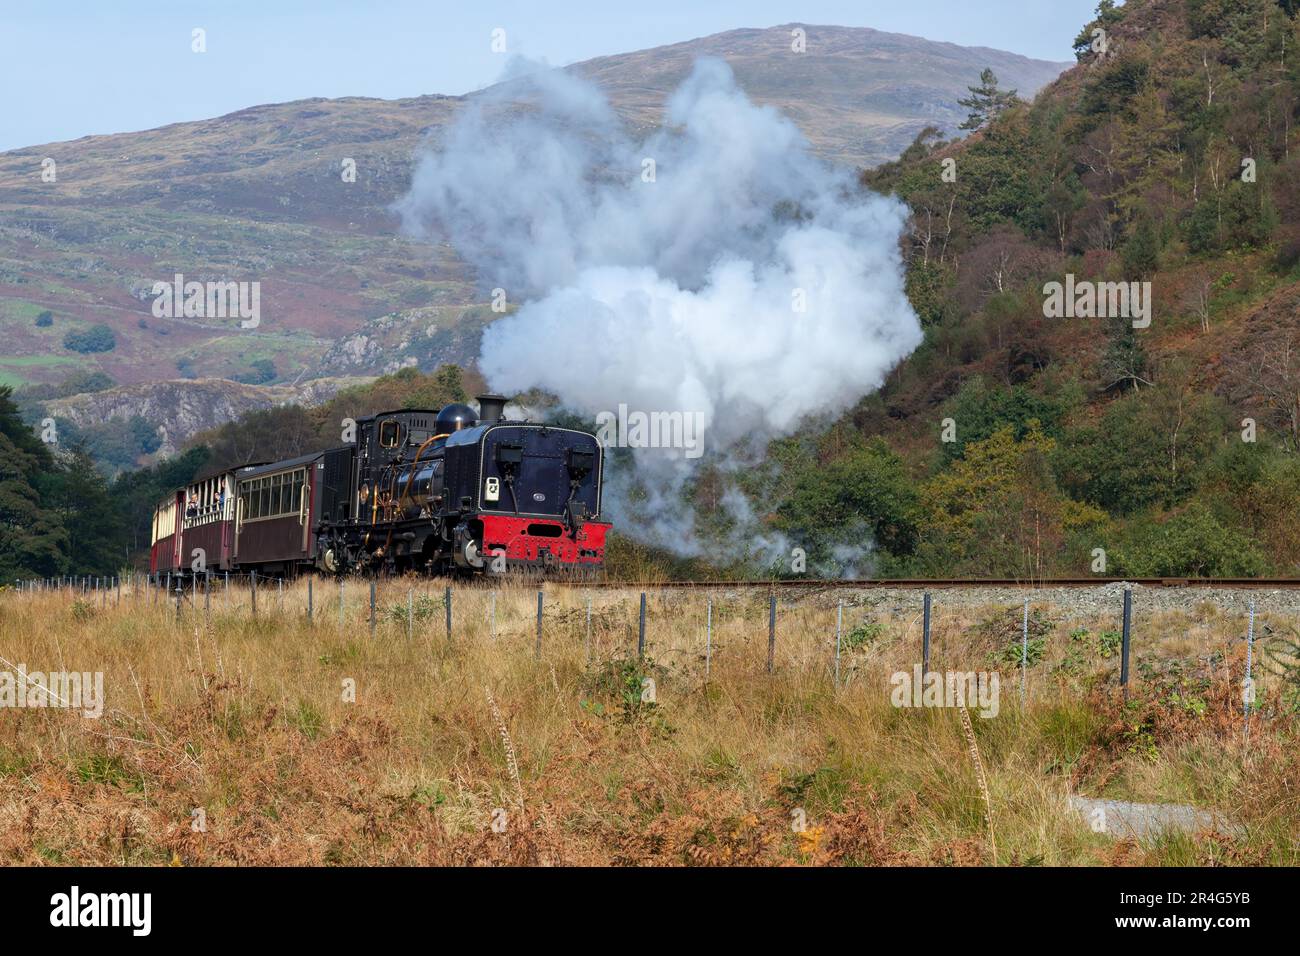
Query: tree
x=1264, y=376
x=986, y=101
x=45, y=319
x=1145, y=450
x=260, y=372
x=996, y=183
x=33, y=543
x=1192, y=543
x=1199, y=297
x=997, y=510
x=97, y=338
x=1248, y=485
x=868, y=488
x=925, y=287
x=1107, y=15
x=1124, y=364
x=980, y=412
x=1141, y=253
x=78, y=494
x=1001, y=263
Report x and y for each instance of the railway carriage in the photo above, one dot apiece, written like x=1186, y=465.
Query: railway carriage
x=275, y=513
x=164, y=555
x=195, y=525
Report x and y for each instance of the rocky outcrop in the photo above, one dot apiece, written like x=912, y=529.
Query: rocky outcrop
x=425, y=338
x=184, y=407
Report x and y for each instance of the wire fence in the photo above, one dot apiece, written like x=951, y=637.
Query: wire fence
x=691, y=632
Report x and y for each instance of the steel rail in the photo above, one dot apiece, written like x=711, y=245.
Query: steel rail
x=939, y=583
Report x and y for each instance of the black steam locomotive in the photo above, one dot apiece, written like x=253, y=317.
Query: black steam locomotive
x=414, y=490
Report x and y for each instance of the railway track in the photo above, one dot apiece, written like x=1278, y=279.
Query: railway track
x=940, y=583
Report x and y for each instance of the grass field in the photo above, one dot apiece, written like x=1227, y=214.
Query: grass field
x=231, y=739
x=11, y=367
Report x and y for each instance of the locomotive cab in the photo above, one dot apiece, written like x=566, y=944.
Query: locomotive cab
x=529, y=496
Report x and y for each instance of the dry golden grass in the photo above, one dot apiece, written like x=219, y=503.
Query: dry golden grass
x=247, y=720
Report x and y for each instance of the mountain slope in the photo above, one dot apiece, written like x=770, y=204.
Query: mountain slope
x=859, y=95
x=1164, y=443
x=259, y=195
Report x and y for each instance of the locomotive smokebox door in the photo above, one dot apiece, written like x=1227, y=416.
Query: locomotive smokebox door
x=492, y=492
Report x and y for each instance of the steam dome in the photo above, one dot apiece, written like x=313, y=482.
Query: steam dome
x=455, y=417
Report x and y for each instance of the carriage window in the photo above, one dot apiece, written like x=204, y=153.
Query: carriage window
x=388, y=432
x=273, y=496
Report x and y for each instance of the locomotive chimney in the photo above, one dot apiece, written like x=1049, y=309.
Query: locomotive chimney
x=490, y=408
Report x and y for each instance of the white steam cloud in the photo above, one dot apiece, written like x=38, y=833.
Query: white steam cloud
x=717, y=267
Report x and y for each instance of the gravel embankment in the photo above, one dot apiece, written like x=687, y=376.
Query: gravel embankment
x=1069, y=602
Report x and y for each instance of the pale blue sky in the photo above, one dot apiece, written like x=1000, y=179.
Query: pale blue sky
x=78, y=67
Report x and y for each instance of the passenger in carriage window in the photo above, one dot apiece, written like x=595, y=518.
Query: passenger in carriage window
x=191, y=507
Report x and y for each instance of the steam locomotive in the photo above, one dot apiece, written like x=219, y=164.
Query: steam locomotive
x=436, y=492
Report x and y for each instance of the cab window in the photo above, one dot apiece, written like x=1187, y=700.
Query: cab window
x=388, y=432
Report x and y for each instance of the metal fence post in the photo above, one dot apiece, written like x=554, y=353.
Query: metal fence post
x=771, y=631
x=1248, y=686
x=1024, y=651
x=537, y=652
x=372, y=608
x=1125, y=639
x=839, y=628
x=310, y=596
x=640, y=634
x=447, y=601
x=925, y=636
x=708, y=638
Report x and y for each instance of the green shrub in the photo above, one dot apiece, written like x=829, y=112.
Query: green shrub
x=1190, y=544
x=97, y=338
x=420, y=609
x=1109, y=643
x=864, y=635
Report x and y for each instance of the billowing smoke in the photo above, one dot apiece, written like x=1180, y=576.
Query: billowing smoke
x=717, y=269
